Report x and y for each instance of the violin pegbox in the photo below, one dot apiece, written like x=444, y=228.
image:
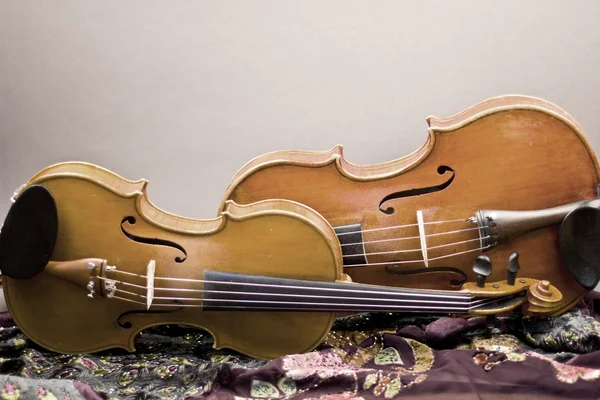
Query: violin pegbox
x=535, y=296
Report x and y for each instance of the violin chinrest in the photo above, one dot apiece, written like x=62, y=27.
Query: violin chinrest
x=29, y=233
x=579, y=240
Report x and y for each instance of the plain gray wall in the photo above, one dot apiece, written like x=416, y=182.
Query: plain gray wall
x=183, y=93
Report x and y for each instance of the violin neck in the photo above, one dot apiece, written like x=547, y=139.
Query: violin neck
x=230, y=291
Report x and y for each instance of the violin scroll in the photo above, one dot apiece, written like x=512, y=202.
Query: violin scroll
x=536, y=297
x=541, y=297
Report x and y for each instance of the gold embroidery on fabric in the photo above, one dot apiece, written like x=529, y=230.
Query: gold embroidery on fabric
x=503, y=343
x=370, y=380
x=263, y=389
x=388, y=355
x=568, y=373
x=390, y=384
x=339, y=339
x=393, y=388
x=287, y=386
x=423, y=356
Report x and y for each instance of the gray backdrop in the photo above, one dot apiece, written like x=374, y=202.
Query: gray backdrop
x=183, y=93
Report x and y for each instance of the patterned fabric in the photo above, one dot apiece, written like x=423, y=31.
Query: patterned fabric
x=368, y=356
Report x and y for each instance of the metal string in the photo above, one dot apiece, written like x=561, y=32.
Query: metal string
x=295, y=296
x=404, y=226
x=403, y=292
x=419, y=249
x=463, y=296
x=419, y=261
x=472, y=304
x=412, y=305
x=470, y=298
x=412, y=237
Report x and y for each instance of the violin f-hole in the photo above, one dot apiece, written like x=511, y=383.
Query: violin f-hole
x=155, y=241
x=442, y=170
x=128, y=325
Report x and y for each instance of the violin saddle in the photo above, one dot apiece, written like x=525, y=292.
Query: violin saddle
x=579, y=240
x=29, y=233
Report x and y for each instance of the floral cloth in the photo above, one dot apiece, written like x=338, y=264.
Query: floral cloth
x=368, y=356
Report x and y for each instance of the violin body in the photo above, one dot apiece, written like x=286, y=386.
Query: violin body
x=506, y=153
x=109, y=220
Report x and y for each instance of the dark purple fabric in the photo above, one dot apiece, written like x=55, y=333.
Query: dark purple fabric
x=446, y=328
x=6, y=320
x=412, y=332
x=86, y=391
x=370, y=357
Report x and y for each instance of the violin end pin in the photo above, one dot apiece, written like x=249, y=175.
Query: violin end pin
x=91, y=266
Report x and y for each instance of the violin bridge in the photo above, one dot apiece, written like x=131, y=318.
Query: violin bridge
x=422, y=237
x=150, y=269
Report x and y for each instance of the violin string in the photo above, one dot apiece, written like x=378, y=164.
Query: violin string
x=419, y=260
x=404, y=292
x=393, y=306
x=393, y=263
x=171, y=305
x=294, y=295
x=471, y=305
x=397, y=262
x=324, y=304
x=404, y=226
x=470, y=299
x=419, y=249
x=411, y=237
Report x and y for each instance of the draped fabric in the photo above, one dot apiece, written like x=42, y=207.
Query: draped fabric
x=367, y=356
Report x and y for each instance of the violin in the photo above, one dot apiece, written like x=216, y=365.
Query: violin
x=499, y=177
x=88, y=262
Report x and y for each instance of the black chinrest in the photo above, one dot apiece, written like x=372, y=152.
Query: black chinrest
x=28, y=235
x=579, y=240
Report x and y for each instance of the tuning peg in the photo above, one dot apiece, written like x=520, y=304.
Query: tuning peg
x=483, y=268
x=513, y=267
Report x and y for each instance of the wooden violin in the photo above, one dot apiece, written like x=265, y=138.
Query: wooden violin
x=88, y=262
x=499, y=177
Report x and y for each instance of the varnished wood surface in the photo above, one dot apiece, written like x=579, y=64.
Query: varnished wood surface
x=273, y=238
x=510, y=152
